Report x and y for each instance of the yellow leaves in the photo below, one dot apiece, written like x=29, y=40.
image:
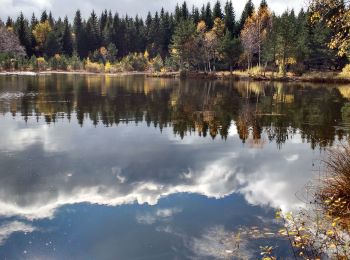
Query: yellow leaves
x=40, y=32
x=330, y=233
x=146, y=54
x=201, y=27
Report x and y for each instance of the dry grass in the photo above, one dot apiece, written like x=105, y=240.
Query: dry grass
x=334, y=192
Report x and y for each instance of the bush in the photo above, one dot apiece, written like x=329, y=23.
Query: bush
x=41, y=63
x=157, y=63
x=94, y=67
x=110, y=68
x=75, y=63
x=255, y=71
x=346, y=71
x=134, y=62
x=171, y=64
x=58, y=62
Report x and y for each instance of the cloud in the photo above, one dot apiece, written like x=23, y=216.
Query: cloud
x=163, y=214
x=7, y=229
x=82, y=170
x=218, y=243
x=131, y=7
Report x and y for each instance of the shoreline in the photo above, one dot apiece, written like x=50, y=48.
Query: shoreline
x=327, y=77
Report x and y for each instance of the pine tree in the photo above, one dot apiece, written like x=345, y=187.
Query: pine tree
x=217, y=12
x=67, y=41
x=184, y=11
x=80, y=36
x=230, y=18
x=44, y=17
x=22, y=30
x=52, y=44
x=93, y=33
x=9, y=22
x=195, y=15
x=208, y=18
x=247, y=12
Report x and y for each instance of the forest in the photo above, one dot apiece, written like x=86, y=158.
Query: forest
x=209, y=38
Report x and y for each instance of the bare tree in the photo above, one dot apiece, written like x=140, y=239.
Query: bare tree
x=9, y=43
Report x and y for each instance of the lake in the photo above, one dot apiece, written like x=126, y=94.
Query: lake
x=107, y=167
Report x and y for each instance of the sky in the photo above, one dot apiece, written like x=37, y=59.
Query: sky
x=131, y=7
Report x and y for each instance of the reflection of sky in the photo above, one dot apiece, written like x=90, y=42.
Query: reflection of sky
x=47, y=170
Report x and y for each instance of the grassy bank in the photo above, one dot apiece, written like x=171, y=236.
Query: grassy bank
x=315, y=77
x=311, y=77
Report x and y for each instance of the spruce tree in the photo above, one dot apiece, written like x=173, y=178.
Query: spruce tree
x=80, y=36
x=44, y=17
x=230, y=18
x=247, y=12
x=208, y=18
x=22, y=30
x=67, y=41
x=52, y=44
x=217, y=12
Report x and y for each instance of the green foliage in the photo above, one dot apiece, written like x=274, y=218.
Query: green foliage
x=52, y=44
x=58, y=62
x=75, y=62
x=134, y=62
x=183, y=43
x=157, y=63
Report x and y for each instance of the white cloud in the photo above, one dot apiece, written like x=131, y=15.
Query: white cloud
x=7, y=229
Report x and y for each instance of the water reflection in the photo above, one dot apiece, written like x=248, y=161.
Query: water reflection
x=321, y=113
x=71, y=145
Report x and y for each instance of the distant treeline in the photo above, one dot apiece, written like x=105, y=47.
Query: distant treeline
x=206, y=38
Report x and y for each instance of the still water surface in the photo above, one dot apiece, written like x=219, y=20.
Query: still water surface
x=100, y=167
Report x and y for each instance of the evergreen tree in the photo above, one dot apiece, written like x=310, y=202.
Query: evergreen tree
x=247, y=12
x=230, y=18
x=52, y=44
x=9, y=22
x=51, y=20
x=67, y=41
x=22, y=30
x=183, y=43
x=184, y=11
x=208, y=18
x=80, y=36
x=217, y=12
x=93, y=33
x=44, y=17
x=195, y=15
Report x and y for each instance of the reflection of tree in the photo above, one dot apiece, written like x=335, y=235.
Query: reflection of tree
x=271, y=111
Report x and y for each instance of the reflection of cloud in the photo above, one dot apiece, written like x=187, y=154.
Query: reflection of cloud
x=159, y=215
x=218, y=243
x=7, y=229
x=80, y=169
x=292, y=158
x=19, y=139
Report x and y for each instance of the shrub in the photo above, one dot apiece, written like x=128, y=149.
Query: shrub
x=346, y=71
x=110, y=68
x=157, y=63
x=58, y=62
x=94, y=67
x=171, y=64
x=33, y=63
x=41, y=63
x=134, y=62
x=255, y=71
x=75, y=63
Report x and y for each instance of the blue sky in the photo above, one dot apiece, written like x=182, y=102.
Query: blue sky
x=132, y=7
